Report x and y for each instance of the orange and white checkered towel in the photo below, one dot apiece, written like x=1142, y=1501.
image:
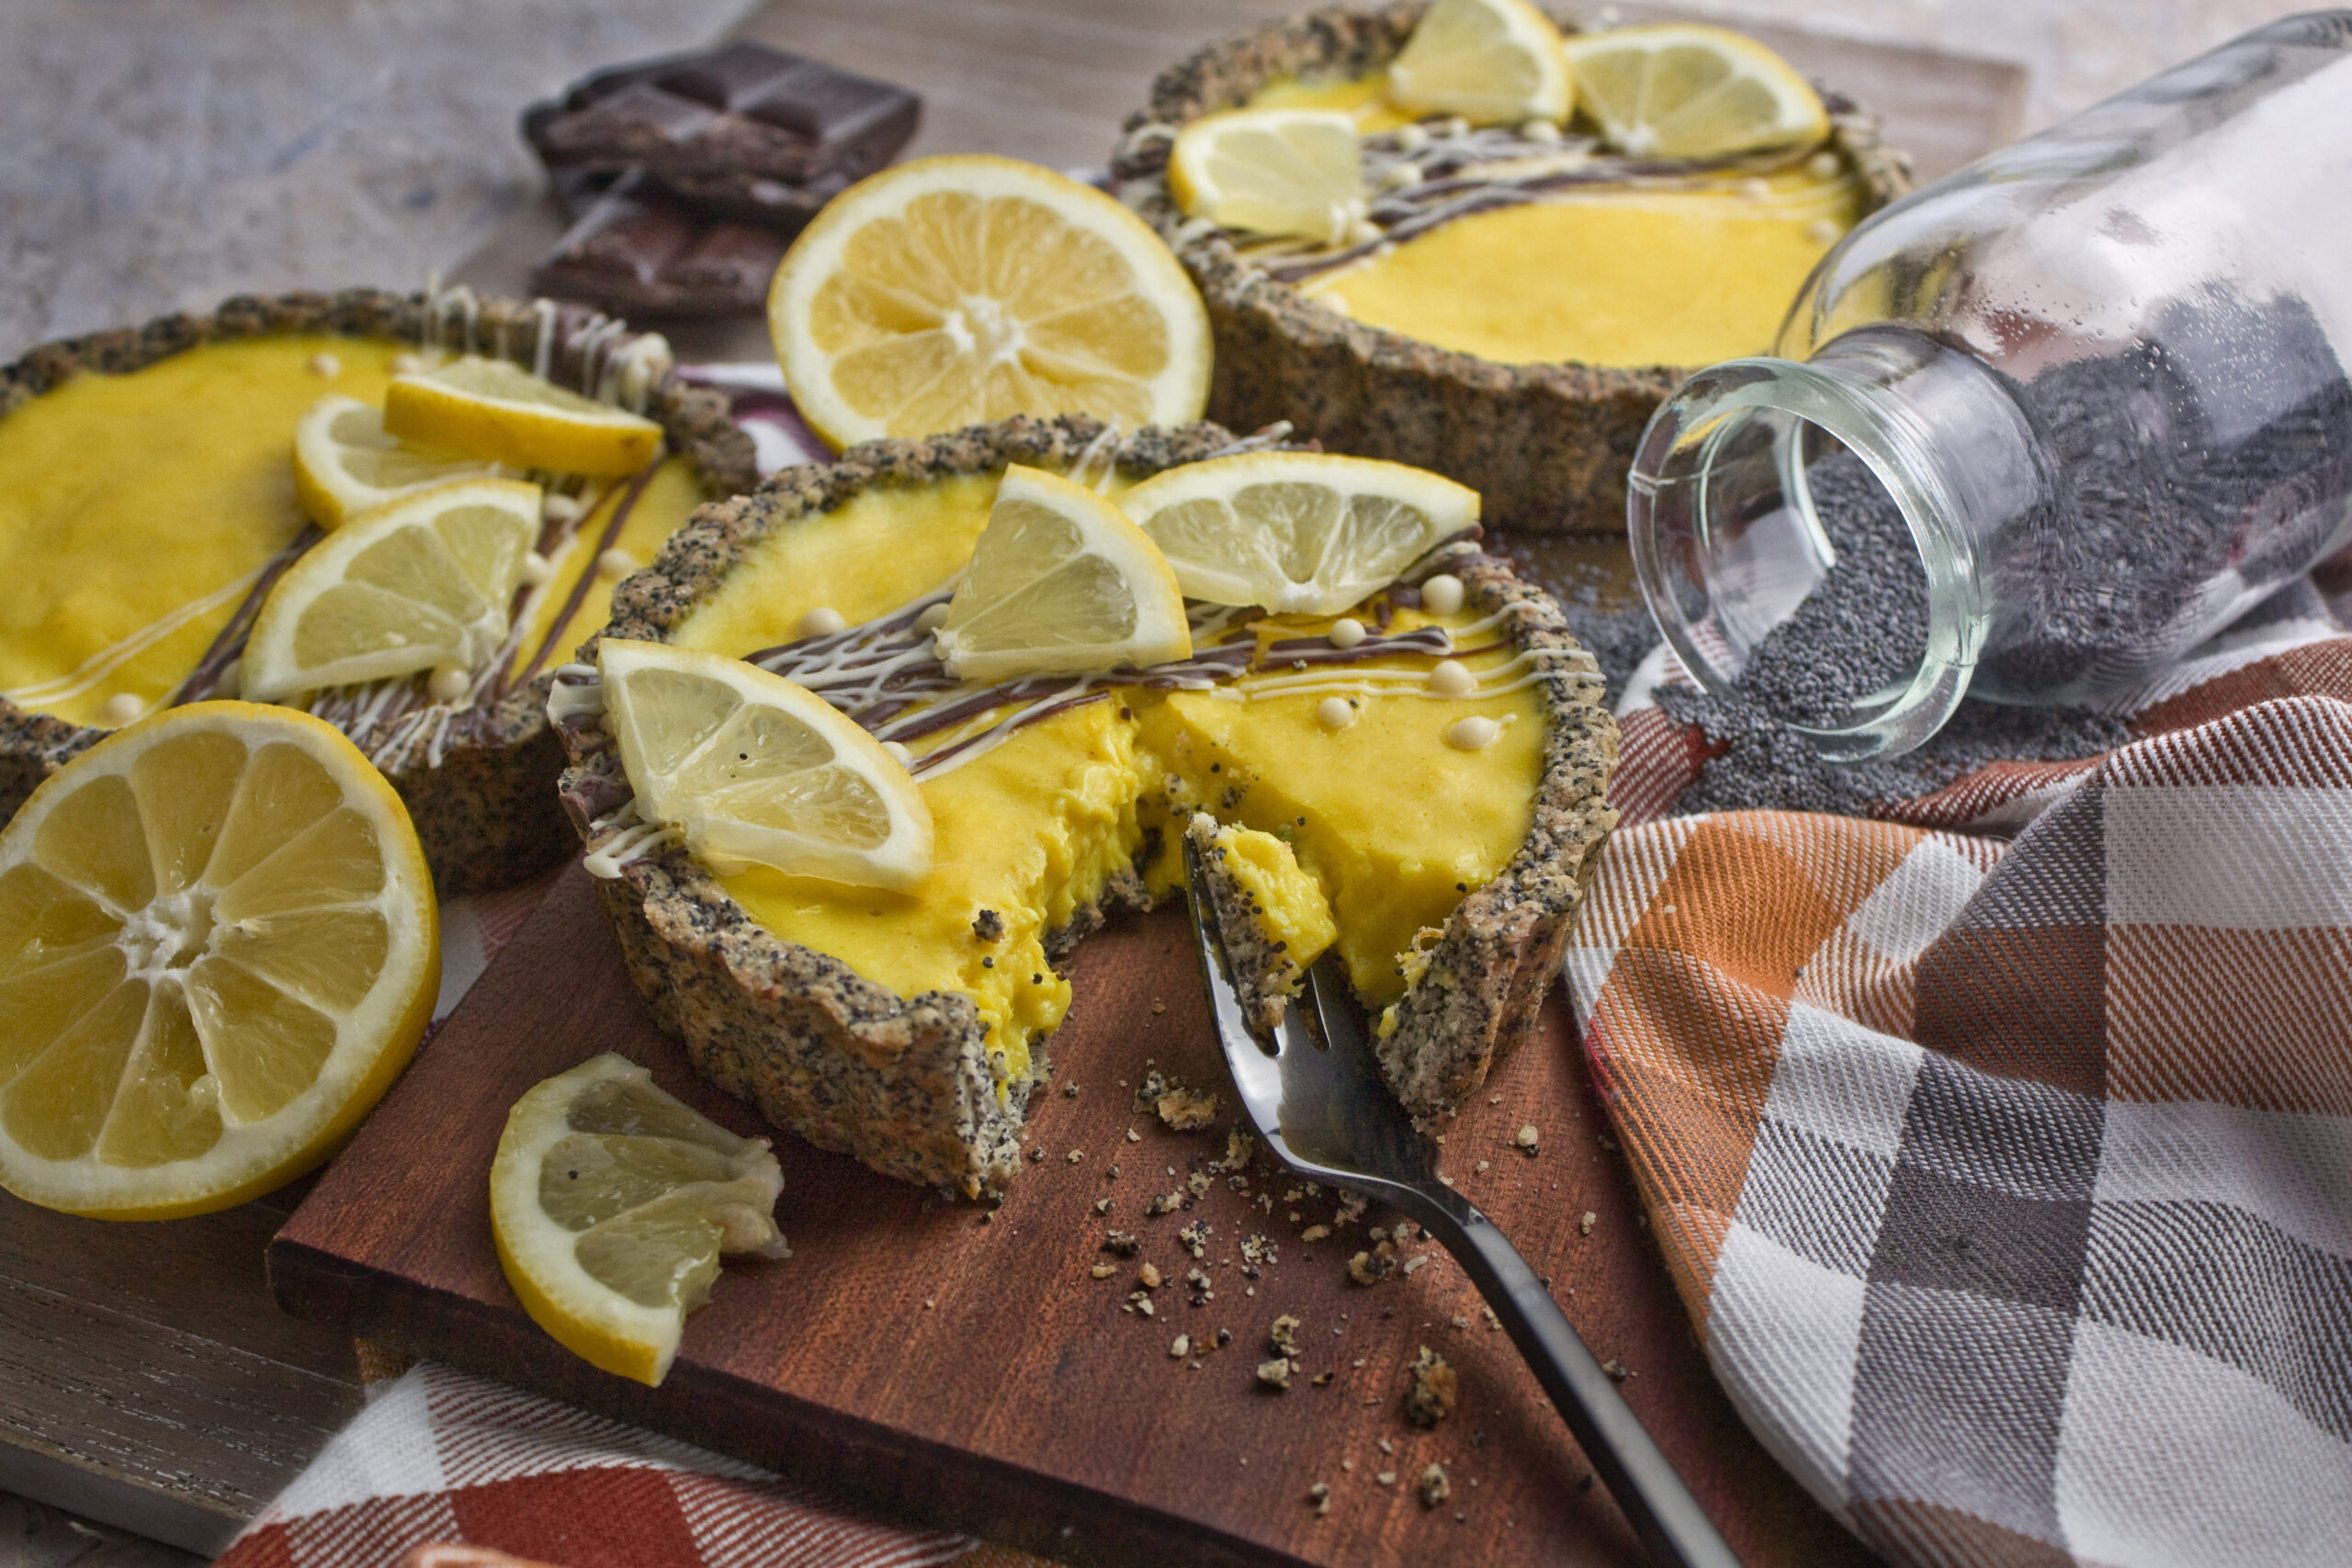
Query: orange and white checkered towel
x=2011, y=1184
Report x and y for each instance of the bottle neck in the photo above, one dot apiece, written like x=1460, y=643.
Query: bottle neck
x=1728, y=542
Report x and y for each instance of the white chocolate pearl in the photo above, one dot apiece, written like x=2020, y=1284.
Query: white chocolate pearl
x=1346, y=632
x=325, y=365
x=1452, y=678
x=120, y=709
x=1411, y=138
x=899, y=753
x=1756, y=190
x=931, y=616
x=1472, y=734
x=1823, y=231
x=617, y=562
x=407, y=364
x=1822, y=165
x=538, y=569
x=448, y=683
x=1335, y=712
x=1442, y=594
x=1400, y=177
x=822, y=621
x=558, y=507
x=231, y=680
x=1540, y=131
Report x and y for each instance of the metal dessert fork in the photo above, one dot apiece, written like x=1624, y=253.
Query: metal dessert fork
x=1320, y=1104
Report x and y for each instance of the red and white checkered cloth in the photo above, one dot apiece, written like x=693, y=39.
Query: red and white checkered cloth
x=2010, y=1184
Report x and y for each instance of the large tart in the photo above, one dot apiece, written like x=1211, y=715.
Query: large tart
x=910, y=1030
x=1520, y=346
x=148, y=500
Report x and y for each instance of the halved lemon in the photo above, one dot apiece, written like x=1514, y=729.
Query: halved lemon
x=1060, y=582
x=488, y=408
x=1297, y=532
x=426, y=582
x=1678, y=90
x=753, y=768
x=1272, y=172
x=344, y=464
x=610, y=1202
x=950, y=290
x=217, y=948
x=1487, y=61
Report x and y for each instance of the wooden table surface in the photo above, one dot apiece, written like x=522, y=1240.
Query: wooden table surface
x=146, y=1379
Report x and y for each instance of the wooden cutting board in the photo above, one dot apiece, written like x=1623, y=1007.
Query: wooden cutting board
x=962, y=1366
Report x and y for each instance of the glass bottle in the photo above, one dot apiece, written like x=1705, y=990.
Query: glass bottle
x=2037, y=430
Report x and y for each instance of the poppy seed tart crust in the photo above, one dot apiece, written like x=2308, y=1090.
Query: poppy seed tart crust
x=906, y=1083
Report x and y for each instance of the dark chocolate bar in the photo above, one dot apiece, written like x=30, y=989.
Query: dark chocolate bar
x=726, y=118
x=638, y=252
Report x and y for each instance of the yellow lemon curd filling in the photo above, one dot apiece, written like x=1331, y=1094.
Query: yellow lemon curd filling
x=1393, y=825
x=138, y=511
x=1289, y=905
x=1689, y=273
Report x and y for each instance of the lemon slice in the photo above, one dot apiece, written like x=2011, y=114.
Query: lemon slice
x=489, y=408
x=1487, y=61
x=610, y=1202
x=1297, y=532
x=1272, y=172
x=950, y=290
x=753, y=768
x=426, y=582
x=1060, y=582
x=344, y=464
x=218, y=947
x=1677, y=90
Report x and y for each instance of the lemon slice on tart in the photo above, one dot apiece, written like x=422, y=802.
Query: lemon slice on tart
x=218, y=947
x=754, y=769
x=1678, y=90
x=1060, y=582
x=1272, y=172
x=1297, y=532
x=611, y=1201
x=497, y=410
x=344, y=464
x=1487, y=61
x=426, y=582
x=956, y=290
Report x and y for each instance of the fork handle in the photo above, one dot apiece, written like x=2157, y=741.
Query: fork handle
x=1668, y=1520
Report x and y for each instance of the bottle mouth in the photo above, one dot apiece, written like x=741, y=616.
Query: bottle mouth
x=1793, y=545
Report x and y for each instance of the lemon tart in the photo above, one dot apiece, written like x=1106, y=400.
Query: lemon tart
x=1432, y=763
x=1502, y=301
x=157, y=484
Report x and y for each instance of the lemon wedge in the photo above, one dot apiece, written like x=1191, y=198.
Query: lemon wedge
x=1678, y=90
x=217, y=948
x=753, y=768
x=426, y=582
x=344, y=464
x=490, y=409
x=610, y=1202
x=1272, y=172
x=1297, y=532
x=950, y=290
x=1060, y=582
x=1487, y=61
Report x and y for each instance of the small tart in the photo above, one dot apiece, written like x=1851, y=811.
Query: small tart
x=1547, y=444
x=478, y=781
x=919, y=1058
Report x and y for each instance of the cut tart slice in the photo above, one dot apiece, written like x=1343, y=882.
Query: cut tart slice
x=1271, y=915
x=1521, y=294
x=154, y=486
x=908, y=1028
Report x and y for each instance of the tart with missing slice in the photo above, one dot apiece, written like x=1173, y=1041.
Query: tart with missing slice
x=1429, y=753
x=151, y=496
x=1504, y=300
